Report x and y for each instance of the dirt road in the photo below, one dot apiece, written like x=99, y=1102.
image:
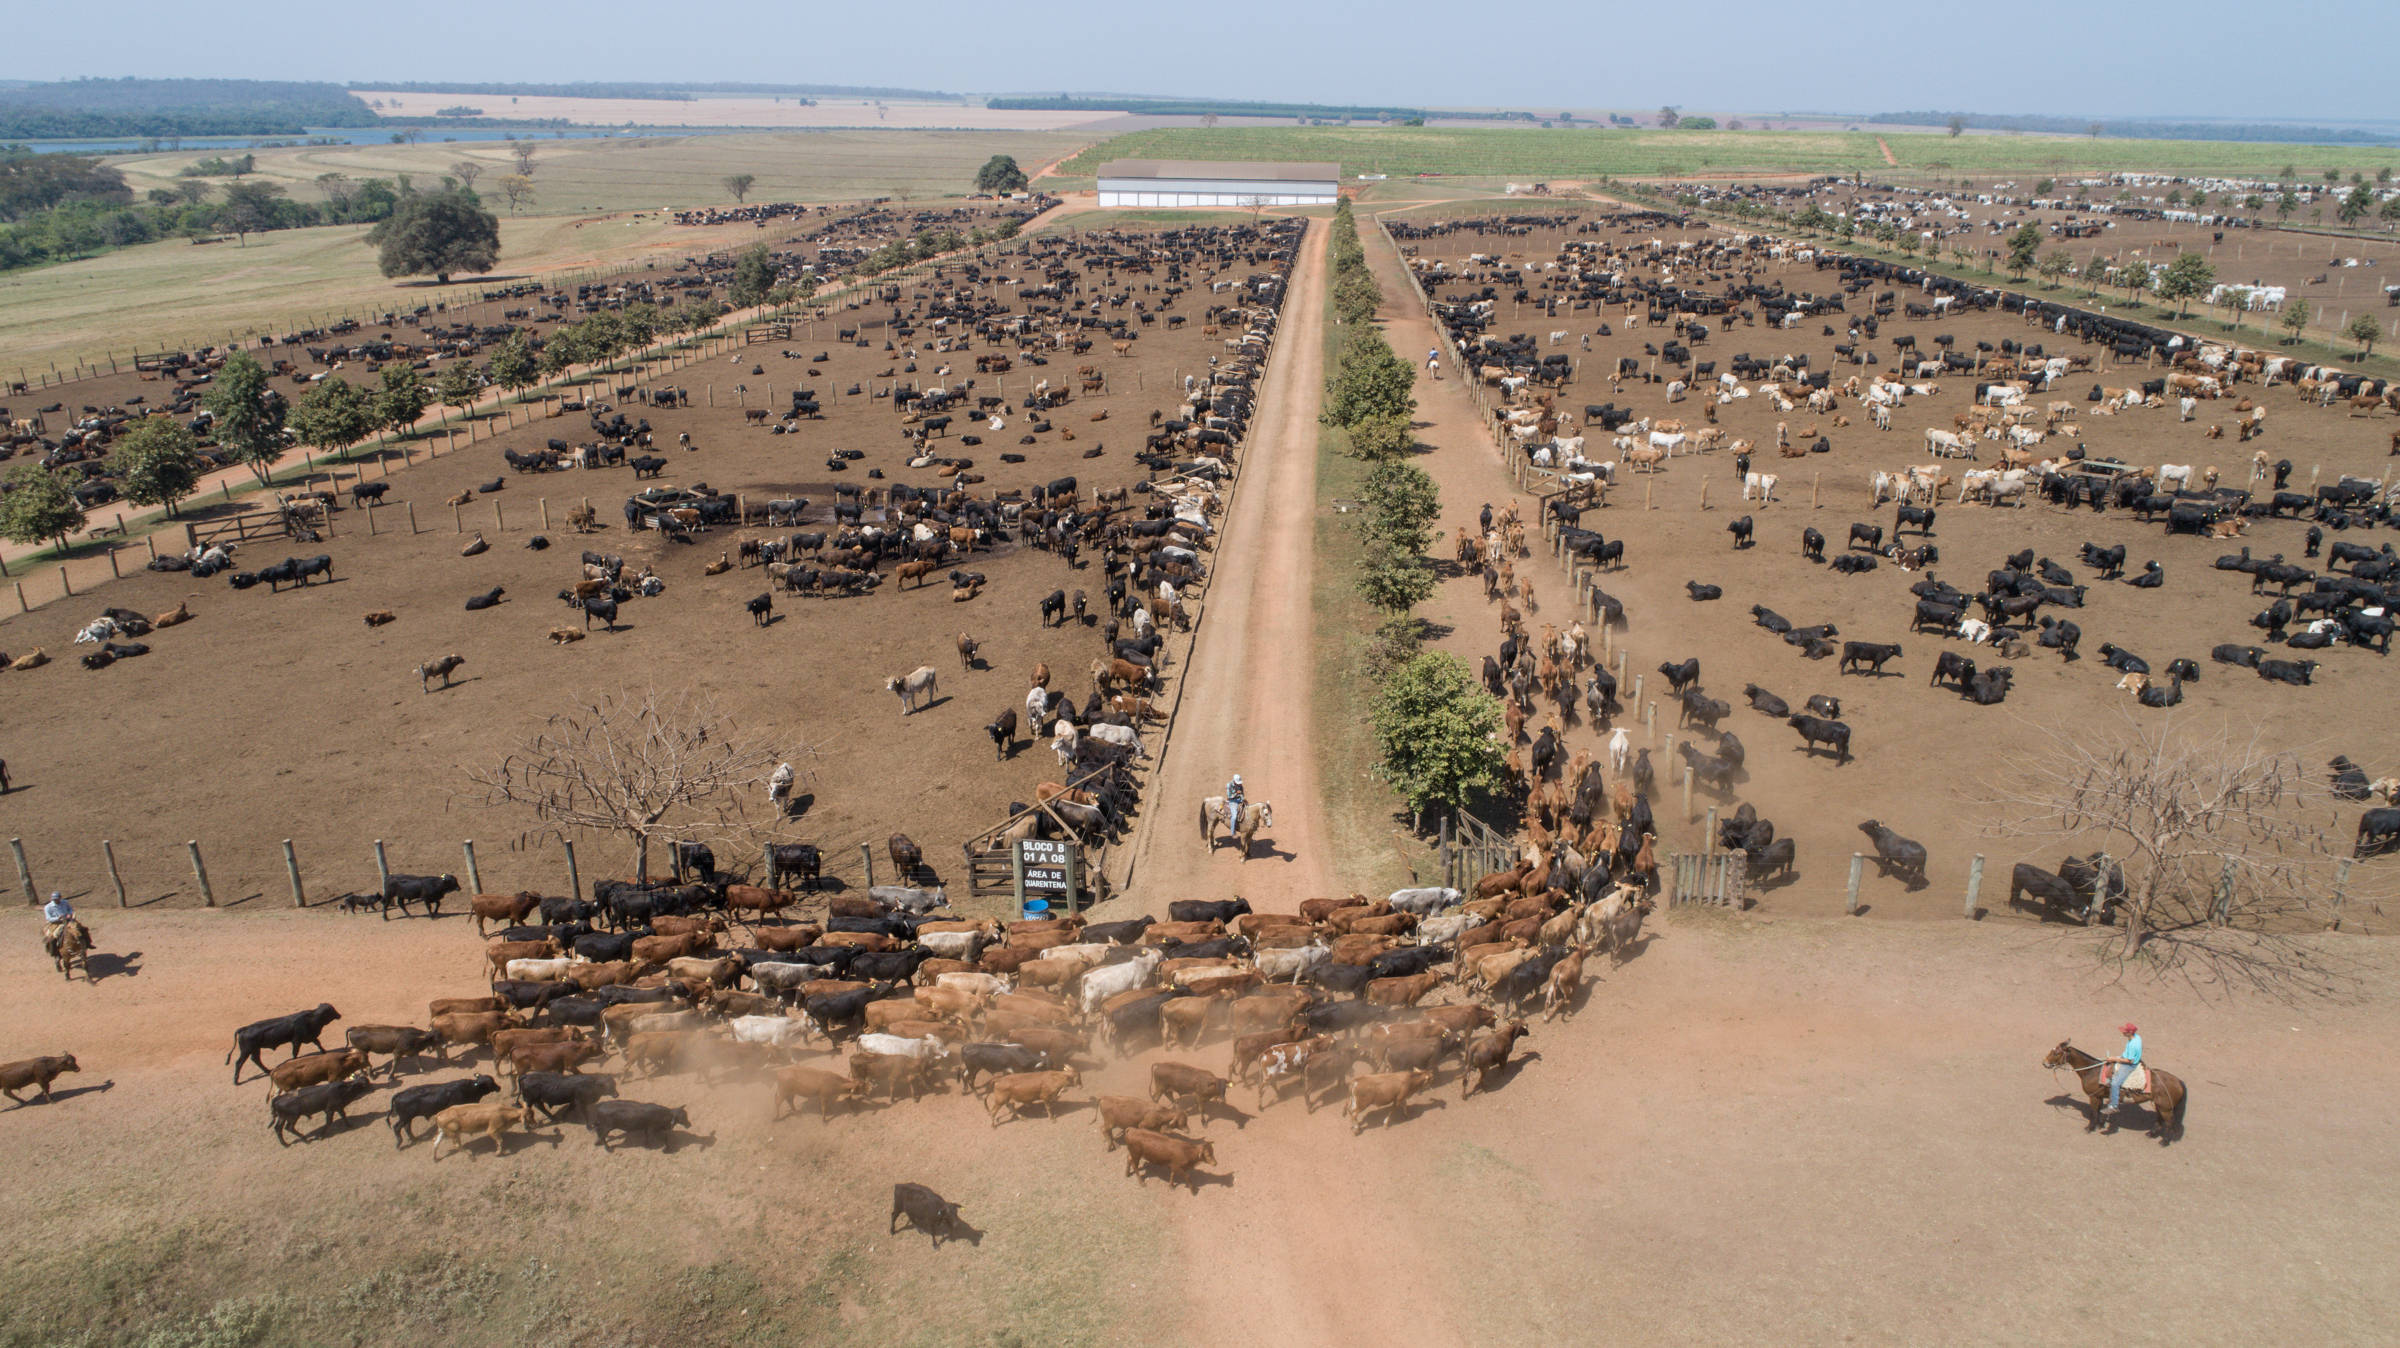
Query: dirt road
x=1246, y=684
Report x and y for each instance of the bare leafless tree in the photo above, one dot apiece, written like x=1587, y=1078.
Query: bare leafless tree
x=642, y=765
x=467, y=171
x=2230, y=848
x=525, y=151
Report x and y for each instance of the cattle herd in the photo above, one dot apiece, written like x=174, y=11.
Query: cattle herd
x=1704, y=342
x=1360, y=1004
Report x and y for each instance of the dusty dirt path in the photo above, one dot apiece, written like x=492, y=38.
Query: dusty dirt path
x=1888, y=156
x=1246, y=686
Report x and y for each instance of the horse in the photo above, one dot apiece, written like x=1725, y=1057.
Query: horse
x=71, y=948
x=2165, y=1095
x=1214, y=814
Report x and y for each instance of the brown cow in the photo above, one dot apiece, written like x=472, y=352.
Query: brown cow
x=863, y=940
x=609, y=973
x=506, y=909
x=786, y=938
x=751, y=898
x=502, y=1041
x=445, y=1006
x=1184, y=1020
x=1488, y=1053
x=567, y=1057
x=469, y=1028
x=660, y=949
x=656, y=1050
x=459, y=1123
x=35, y=1072
x=673, y=924
x=1566, y=978
x=1186, y=1085
x=890, y=1071
x=1406, y=991
x=397, y=1041
x=1116, y=1113
x=1061, y=1045
x=1018, y=1090
x=499, y=953
x=1175, y=1155
x=805, y=1084
x=1387, y=1091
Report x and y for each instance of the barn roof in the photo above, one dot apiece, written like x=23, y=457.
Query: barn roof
x=1221, y=170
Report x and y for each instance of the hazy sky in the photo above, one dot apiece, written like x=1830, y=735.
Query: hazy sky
x=2196, y=58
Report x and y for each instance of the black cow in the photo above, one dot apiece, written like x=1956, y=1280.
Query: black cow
x=1206, y=910
x=645, y=1124
x=1920, y=516
x=329, y=1098
x=402, y=890
x=1869, y=534
x=927, y=1211
x=2349, y=781
x=1812, y=544
x=1770, y=619
x=1702, y=594
x=997, y=1059
x=2053, y=891
x=1764, y=701
x=1894, y=853
x=1951, y=665
x=2297, y=672
x=2377, y=831
x=1870, y=654
x=1815, y=730
x=1119, y=933
x=1741, y=530
x=793, y=860
x=423, y=1102
x=1681, y=676
x=300, y=1027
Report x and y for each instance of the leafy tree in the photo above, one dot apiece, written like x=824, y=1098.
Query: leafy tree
x=1909, y=243
x=513, y=365
x=467, y=171
x=2254, y=202
x=2236, y=300
x=2044, y=188
x=1372, y=381
x=1402, y=504
x=459, y=386
x=2022, y=246
x=2355, y=205
x=1394, y=580
x=524, y=151
x=2333, y=175
x=251, y=207
x=518, y=188
x=2391, y=210
x=1381, y=437
x=2287, y=203
x=401, y=398
x=333, y=415
x=2364, y=330
x=2136, y=277
x=2295, y=319
x=1356, y=296
x=2055, y=265
x=740, y=184
x=1958, y=126
x=38, y=505
x=437, y=233
x=1000, y=174
x=753, y=276
x=2185, y=279
x=248, y=415
x=1668, y=118
x=156, y=462
x=1438, y=733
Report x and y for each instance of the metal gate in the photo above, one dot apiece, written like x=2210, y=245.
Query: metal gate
x=1721, y=878
x=1472, y=849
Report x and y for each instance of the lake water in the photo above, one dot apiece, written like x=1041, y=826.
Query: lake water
x=339, y=135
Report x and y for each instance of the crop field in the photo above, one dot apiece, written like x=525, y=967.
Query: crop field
x=743, y=110
x=1559, y=154
x=665, y=172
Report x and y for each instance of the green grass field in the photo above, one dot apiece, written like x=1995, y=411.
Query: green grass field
x=1526, y=153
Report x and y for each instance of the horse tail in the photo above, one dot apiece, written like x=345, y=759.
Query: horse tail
x=1204, y=821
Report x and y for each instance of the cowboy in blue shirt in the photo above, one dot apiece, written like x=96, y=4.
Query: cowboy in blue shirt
x=2126, y=1060
x=1233, y=803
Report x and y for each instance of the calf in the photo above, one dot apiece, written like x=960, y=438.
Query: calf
x=35, y=1072
x=925, y=1210
x=459, y=1124
x=329, y=1098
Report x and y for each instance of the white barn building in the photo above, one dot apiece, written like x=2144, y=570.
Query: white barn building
x=1203, y=182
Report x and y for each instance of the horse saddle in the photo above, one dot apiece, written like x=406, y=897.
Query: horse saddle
x=2139, y=1078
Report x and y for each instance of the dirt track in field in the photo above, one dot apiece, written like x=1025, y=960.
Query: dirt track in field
x=1245, y=702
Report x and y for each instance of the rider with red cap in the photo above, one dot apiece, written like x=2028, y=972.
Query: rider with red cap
x=2128, y=1058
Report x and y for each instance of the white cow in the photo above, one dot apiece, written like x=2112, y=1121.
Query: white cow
x=1761, y=483
x=1288, y=963
x=1123, y=736
x=1423, y=902
x=1947, y=444
x=1667, y=442
x=1620, y=751
x=1101, y=984
x=921, y=680
x=774, y=1031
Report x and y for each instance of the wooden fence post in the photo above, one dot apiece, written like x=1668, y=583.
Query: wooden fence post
x=574, y=880
x=24, y=872
x=412, y=519
x=1974, y=886
x=1858, y=866
x=108, y=853
x=64, y=583
x=383, y=879
x=545, y=514
x=291, y=870
x=474, y=874
x=208, y=896
x=867, y=855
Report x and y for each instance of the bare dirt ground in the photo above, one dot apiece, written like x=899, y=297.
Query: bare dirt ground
x=1918, y=750
x=1839, y=1129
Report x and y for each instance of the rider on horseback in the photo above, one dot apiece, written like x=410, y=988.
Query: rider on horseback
x=56, y=914
x=1233, y=803
x=2122, y=1065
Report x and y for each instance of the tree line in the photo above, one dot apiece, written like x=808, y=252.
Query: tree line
x=1436, y=729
